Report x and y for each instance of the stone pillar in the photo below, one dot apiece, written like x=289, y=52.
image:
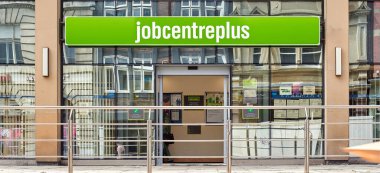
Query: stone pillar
x=48, y=89
x=336, y=87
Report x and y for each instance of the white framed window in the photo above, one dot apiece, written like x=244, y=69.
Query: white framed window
x=143, y=77
x=143, y=56
x=190, y=8
x=10, y=46
x=115, y=8
x=288, y=55
x=214, y=7
x=109, y=79
x=220, y=56
x=190, y=56
x=311, y=55
x=256, y=55
x=141, y=8
x=122, y=79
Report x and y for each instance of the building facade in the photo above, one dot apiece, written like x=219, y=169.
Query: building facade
x=139, y=76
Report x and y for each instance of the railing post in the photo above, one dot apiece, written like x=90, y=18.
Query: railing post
x=307, y=142
x=70, y=142
x=229, y=143
x=149, y=146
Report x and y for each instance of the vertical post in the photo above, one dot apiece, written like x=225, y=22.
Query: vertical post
x=229, y=143
x=70, y=142
x=149, y=145
x=307, y=142
x=226, y=118
x=160, y=126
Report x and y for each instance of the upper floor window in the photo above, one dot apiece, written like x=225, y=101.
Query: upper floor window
x=115, y=8
x=190, y=8
x=141, y=8
x=10, y=46
x=308, y=55
x=190, y=55
x=288, y=55
x=311, y=55
x=214, y=7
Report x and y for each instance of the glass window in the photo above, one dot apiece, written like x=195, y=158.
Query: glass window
x=109, y=79
x=214, y=7
x=190, y=55
x=115, y=8
x=311, y=55
x=142, y=55
x=10, y=46
x=190, y=8
x=142, y=8
x=288, y=55
x=123, y=79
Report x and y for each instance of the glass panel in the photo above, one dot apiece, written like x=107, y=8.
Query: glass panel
x=147, y=12
x=136, y=11
x=109, y=12
x=148, y=81
x=195, y=12
x=10, y=53
x=122, y=56
x=185, y=12
x=121, y=12
x=256, y=55
x=123, y=79
x=311, y=55
x=137, y=79
x=195, y=3
x=147, y=2
x=110, y=78
x=109, y=3
x=19, y=57
x=121, y=2
x=288, y=55
x=185, y=3
x=3, y=53
x=210, y=13
x=136, y=2
x=210, y=3
x=108, y=55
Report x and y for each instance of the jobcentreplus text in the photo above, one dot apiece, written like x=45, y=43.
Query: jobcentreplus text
x=194, y=31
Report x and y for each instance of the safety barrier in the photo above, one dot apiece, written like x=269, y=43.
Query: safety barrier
x=256, y=141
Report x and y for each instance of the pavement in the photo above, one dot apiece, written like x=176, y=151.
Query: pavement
x=362, y=168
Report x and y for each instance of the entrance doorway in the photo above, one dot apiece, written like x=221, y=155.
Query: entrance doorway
x=209, y=87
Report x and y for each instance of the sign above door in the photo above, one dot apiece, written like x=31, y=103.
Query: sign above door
x=193, y=31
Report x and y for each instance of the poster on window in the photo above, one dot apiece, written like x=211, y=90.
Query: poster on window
x=285, y=90
x=176, y=99
x=214, y=99
x=296, y=89
x=250, y=114
x=250, y=83
x=194, y=100
x=308, y=90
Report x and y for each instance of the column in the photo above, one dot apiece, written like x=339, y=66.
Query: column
x=336, y=87
x=48, y=88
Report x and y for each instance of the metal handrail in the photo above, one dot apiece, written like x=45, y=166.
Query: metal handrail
x=307, y=122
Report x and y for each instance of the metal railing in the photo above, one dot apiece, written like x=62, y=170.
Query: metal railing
x=150, y=142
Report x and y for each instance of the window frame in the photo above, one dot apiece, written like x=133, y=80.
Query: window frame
x=190, y=7
x=215, y=8
x=115, y=7
x=125, y=69
x=141, y=6
x=106, y=89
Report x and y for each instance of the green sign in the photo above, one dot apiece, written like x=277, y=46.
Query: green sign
x=192, y=31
